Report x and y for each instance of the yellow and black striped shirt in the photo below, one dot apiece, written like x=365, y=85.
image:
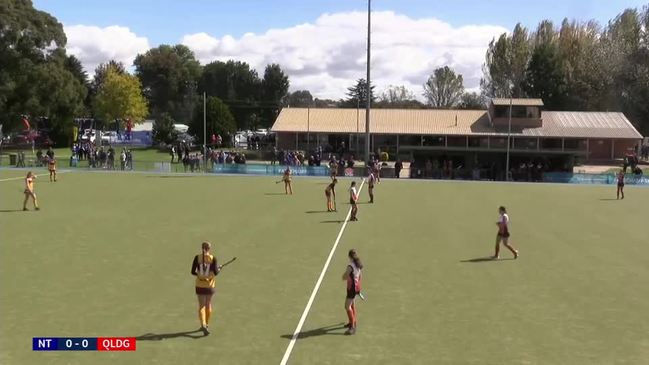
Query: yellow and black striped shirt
x=205, y=269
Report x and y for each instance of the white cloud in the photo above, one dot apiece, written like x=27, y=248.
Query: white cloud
x=327, y=56
x=94, y=45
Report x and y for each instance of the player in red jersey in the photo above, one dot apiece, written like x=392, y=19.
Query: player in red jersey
x=503, y=233
x=620, y=184
x=353, y=277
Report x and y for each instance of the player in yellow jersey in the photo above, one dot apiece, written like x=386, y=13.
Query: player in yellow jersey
x=29, y=191
x=205, y=268
x=51, y=166
x=288, y=186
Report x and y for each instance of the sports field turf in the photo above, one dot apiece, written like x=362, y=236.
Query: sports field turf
x=110, y=255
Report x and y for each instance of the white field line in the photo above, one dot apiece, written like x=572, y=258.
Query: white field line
x=22, y=177
x=296, y=333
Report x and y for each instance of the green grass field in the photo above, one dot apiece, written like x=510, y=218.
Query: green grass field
x=110, y=255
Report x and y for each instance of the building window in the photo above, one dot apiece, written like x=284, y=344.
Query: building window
x=410, y=140
x=498, y=143
x=457, y=142
x=525, y=143
x=551, y=144
x=434, y=141
x=384, y=140
x=478, y=142
x=575, y=145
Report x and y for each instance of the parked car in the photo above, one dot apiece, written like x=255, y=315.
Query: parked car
x=109, y=137
x=89, y=135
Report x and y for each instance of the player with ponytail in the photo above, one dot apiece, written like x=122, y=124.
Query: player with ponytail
x=352, y=276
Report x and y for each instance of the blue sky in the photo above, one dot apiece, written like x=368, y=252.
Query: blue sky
x=166, y=21
x=320, y=44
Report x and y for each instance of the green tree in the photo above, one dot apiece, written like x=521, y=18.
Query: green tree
x=100, y=74
x=298, y=99
x=472, y=101
x=274, y=87
x=444, y=88
x=506, y=64
x=236, y=84
x=163, y=129
x=219, y=119
x=120, y=97
x=74, y=66
x=34, y=79
x=544, y=77
x=357, y=95
x=168, y=74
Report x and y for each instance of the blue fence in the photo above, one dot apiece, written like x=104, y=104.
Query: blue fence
x=260, y=169
x=601, y=179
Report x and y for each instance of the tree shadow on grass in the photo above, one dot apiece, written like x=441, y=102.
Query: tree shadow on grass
x=326, y=330
x=486, y=259
x=195, y=334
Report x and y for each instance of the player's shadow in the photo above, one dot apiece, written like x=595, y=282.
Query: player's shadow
x=10, y=210
x=608, y=199
x=195, y=334
x=486, y=259
x=333, y=329
x=275, y=194
x=316, y=211
x=333, y=221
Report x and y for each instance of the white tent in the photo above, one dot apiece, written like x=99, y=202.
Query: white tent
x=182, y=128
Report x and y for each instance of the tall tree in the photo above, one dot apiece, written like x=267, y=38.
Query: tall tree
x=168, y=75
x=444, y=88
x=396, y=96
x=218, y=119
x=34, y=79
x=274, y=87
x=163, y=129
x=236, y=84
x=120, y=97
x=544, y=78
x=298, y=99
x=472, y=101
x=74, y=66
x=357, y=95
x=100, y=74
x=506, y=64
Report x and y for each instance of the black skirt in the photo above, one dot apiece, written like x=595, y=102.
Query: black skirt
x=204, y=291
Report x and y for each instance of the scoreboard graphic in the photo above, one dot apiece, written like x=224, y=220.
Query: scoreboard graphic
x=83, y=343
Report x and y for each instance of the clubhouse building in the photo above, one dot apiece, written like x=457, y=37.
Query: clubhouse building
x=469, y=138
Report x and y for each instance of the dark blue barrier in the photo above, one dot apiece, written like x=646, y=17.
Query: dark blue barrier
x=273, y=170
x=601, y=179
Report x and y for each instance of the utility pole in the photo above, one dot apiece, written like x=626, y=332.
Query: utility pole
x=367, y=79
x=509, y=133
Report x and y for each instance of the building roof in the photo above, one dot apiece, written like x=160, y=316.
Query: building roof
x=517, y=102
x=451, y=122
